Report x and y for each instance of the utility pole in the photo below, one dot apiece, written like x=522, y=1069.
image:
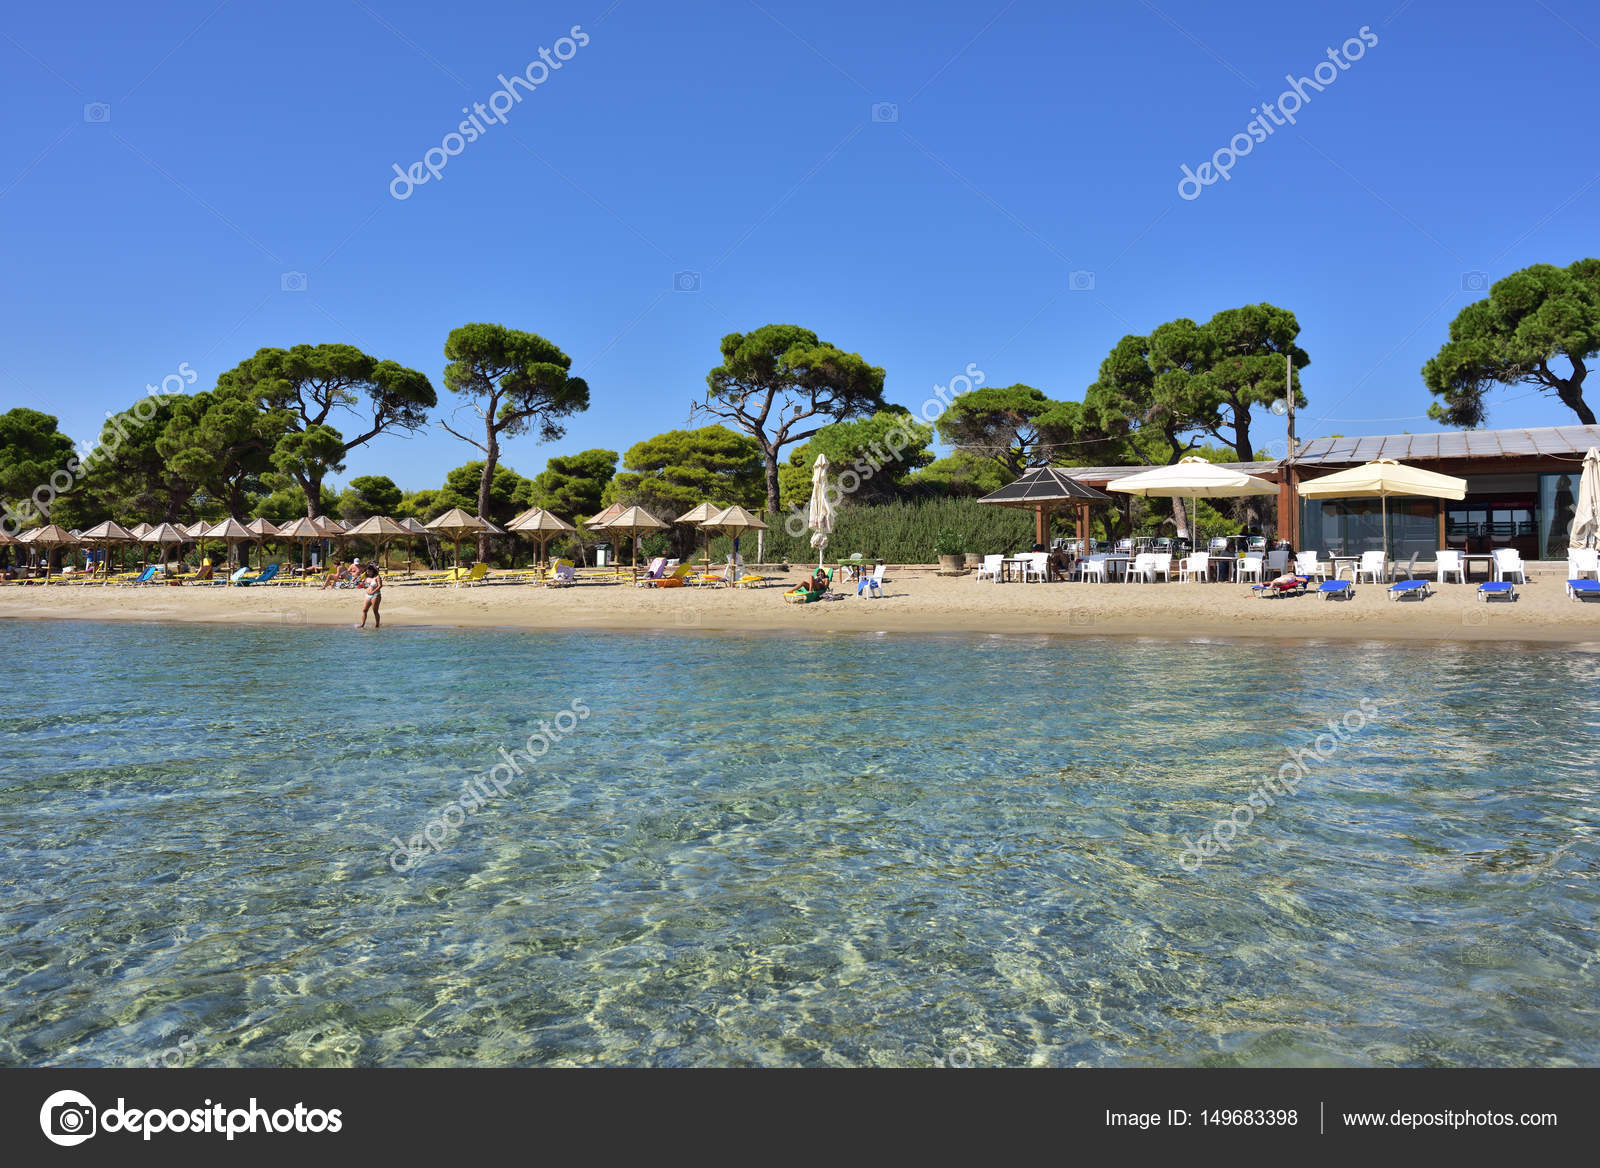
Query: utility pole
x=1288, y=396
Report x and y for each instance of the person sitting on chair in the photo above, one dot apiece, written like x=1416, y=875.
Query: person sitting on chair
x=818, y=584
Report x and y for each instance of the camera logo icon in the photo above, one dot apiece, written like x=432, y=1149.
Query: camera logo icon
x=1081, y=281
x=686, y=281
x=1474, y=281
x=1080, y=618
x=885, y=111
x=292, y=282
x=67, y=1118
x=292, y=616
x=1477, y=615
x=97, y=113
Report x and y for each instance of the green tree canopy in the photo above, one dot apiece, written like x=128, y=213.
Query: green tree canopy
x=369, y=495
x=1014, y=425
x=421, y=505
x=305, y=385
x=513, y=381
x=507, y=490
x=779, y=383
x=573, y=485
x=670, y=473
x=221, y=442
x=963, y=473
x=1534, y=317
x=32, y=448
x=881, y=451
x=127, y=478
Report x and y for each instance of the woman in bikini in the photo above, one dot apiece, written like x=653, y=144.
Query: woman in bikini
x=374, y=589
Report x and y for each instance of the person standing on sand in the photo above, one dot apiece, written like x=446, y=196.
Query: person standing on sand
x=374, y=589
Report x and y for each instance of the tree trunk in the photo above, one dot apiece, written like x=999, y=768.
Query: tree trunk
x=312, y=486
x=490, y=461
x=1571, y=394
x=1245, y=453
x=769, y=457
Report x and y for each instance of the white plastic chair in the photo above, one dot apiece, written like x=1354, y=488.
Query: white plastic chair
x=1138, y=568
x=991, y=569
x=1507, y=563
x=1195, y=567
x=1251, y=567
x=1096, y=568
x=1037, y=567
x=871, y=585
x=1373, y=566
x=1305, y=564
x=1582, y=563
x=1278, y=562
x=1159, y=564
x=1410, y=570
x=1449, y=564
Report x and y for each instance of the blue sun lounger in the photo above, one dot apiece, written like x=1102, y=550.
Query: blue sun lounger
x=1583, y=589
x=1343, y=589
x=1417, y=588
x=1504, y=589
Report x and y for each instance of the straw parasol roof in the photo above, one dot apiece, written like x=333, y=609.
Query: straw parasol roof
x=699, y=514
x=456, y=524
x=413, y=526
x=632, y=520
x=605, y=517
x=493, y=528
x=304, y=532
x=380, y=529
x=262, y=528
x=540, y=526
x=140, y=530
x=164, y=534
x=106, y=534
x=49, y=536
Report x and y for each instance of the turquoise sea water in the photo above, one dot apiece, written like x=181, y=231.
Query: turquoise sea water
x=790, y=850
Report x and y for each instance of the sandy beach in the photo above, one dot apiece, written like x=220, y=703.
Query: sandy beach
x=913, y=601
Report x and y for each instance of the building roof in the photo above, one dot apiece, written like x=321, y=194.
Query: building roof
x=1540, y=443
x=1096, y=474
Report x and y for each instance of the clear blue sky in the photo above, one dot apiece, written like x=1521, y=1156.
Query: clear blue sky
x=734, y=140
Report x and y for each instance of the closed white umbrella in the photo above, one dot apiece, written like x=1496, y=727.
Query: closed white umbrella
x=1380, y=479
x=1586, y=514
x=819, y=515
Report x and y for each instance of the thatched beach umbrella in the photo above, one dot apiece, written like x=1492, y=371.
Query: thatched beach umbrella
x=231, y=532
x=381, y=530
x=261, y=530
x=413, y=529
x=735, y=521
x=303, y=532
x=698, y=516
x=633, y=521
x=163, y=536
x=106, y=534
x=50, y=537
x=540, y=526
x=456, y=524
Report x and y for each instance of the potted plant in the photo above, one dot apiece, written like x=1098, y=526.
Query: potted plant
x=950, y=548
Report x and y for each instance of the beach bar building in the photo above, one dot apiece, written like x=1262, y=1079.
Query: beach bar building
x=1521, y=487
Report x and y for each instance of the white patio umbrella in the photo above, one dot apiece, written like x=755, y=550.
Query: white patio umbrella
x=1379, y=480
x=1193, y=478
x=1585, y=530
x=819, y=515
